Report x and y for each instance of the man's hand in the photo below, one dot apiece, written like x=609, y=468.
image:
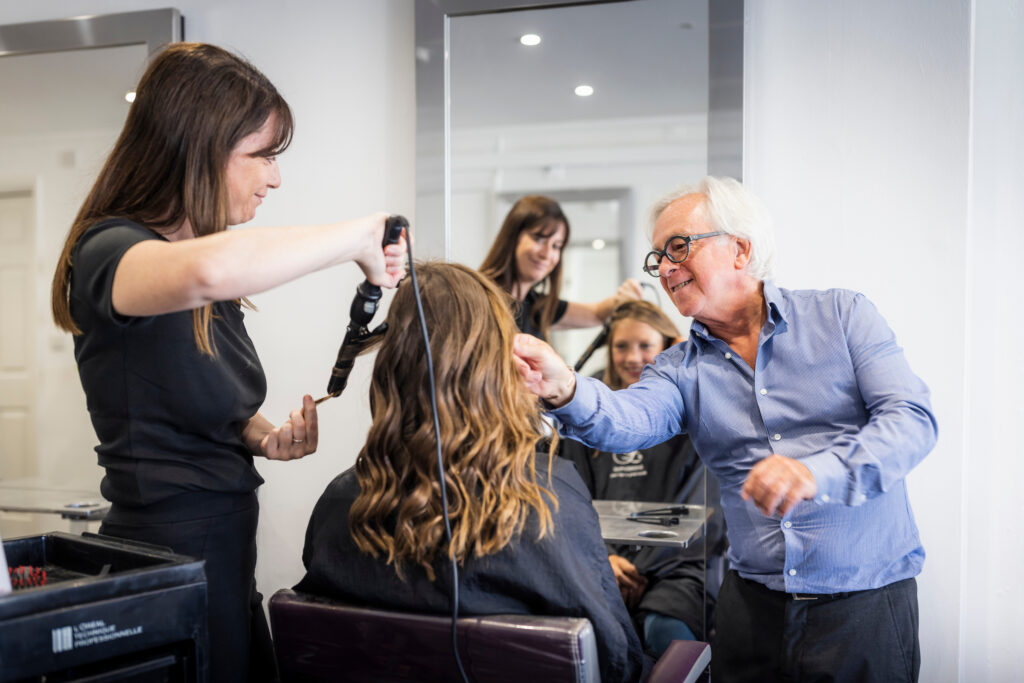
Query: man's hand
x=778, y=483
x=543, y=370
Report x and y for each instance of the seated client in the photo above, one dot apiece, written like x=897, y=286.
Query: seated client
x=524, y=531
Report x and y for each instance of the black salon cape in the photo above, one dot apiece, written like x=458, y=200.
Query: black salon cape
x=671, y=473
x=564, y=574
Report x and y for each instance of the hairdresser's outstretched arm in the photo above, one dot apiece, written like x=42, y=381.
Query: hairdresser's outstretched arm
x=156, y=277
x=297, y=436
x=579, y=314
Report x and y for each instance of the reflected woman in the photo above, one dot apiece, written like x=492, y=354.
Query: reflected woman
x=526, y=261
x=524, y=531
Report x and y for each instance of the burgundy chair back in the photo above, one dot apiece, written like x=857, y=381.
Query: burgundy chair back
x=323, y=640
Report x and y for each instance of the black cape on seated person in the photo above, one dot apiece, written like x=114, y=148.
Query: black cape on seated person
x=565, y=574
x=670, y=472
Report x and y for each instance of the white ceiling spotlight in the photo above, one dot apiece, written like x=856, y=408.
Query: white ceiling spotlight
x=529, y=39
x=598, y=244
x=129, y=96
x=584, y=90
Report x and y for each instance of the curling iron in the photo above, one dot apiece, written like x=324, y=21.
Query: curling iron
x=364, y=306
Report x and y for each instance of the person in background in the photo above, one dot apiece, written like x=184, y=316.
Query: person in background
x=526, y=261
x=803, y=405
x=152, y=285
x=524, y=531
x=663, y=587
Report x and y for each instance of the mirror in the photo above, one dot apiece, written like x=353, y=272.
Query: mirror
x=67, y=81
x=498, y=120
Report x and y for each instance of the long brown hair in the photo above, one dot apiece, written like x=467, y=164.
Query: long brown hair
x=490, y=427
x=641, y=311
x=193, y=105
x=528, y=213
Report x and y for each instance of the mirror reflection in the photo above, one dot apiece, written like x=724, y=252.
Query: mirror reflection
x=70, y=108
x=518, y=127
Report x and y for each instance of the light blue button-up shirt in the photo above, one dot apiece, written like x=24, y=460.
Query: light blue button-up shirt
x=831, y=388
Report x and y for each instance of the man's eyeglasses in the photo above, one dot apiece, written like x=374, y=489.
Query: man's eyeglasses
x=677, y=249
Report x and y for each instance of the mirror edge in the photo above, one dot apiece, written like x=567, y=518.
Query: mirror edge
x=154, y=28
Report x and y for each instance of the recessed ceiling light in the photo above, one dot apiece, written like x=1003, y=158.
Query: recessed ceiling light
x=598, y=244
x=529, y=39
x=584, y=90
x=129, y=96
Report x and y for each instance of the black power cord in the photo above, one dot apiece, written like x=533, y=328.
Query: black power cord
x=440, y=462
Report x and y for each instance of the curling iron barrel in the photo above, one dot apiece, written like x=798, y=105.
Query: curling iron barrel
x=364, y=306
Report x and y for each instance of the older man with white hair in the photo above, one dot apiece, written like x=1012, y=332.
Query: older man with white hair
x=803, y=405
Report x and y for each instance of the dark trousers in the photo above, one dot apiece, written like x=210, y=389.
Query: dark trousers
x=865, y=636
x=221, y=529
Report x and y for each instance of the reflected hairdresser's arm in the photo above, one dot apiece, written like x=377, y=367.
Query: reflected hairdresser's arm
x=579, y=314
x=156, y=277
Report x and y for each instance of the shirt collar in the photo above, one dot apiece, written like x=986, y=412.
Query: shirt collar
x=778, y=308
x=778, y=312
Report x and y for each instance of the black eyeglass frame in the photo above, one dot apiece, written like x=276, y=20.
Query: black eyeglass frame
x=655, y=271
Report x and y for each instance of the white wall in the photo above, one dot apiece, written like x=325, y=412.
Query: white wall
x=346, y=67
x=859, y=135
x=993, y=553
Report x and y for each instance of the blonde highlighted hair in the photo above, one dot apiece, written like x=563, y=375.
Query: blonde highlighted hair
x=641, y=311
x=490, y=427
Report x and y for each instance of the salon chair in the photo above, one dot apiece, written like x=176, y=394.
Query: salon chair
x=317, y=639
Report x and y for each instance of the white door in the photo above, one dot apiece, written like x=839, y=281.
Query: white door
x=17, y=341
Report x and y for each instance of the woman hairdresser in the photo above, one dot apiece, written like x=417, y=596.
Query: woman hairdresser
x=152, y=284
x=526, y=261
x=523, y=529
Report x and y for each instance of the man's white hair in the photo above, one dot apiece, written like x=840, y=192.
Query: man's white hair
x=731, y=208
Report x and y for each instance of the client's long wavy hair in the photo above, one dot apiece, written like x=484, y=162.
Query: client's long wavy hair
x=490, y=427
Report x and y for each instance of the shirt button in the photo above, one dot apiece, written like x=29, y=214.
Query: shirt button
x=825, y=498
x=777, y=437
x=764, y=392
x=787, y=524
x=728, y=355
x=792, y=572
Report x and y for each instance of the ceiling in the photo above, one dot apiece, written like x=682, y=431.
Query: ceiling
x=643, y=58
